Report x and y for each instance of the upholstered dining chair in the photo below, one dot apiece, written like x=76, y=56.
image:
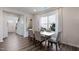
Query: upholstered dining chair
x=55, y=40
x=38, y=37
x=31, y=34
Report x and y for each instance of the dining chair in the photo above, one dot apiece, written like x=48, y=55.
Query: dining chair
x=55, y=40
x=31, y=34
x=38, y=37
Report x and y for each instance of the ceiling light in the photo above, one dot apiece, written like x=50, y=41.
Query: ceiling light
x=34, y=10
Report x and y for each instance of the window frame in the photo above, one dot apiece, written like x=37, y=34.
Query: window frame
x=47, y=24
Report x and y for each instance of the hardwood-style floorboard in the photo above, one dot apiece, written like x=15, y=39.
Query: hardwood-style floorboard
x=15, y=42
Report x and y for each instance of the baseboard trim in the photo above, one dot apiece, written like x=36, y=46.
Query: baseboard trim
x=69, y=45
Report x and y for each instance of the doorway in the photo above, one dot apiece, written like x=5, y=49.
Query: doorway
x=13, y=23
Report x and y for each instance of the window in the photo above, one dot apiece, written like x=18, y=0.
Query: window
x=43, y=22
x=51, y=20
x=46, y=21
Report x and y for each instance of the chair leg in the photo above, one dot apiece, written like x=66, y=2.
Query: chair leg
x=40, y=45
x=48, y=44
x=30, y=38
x=59, y=45
x=56, y=47
x=51, y=43
x=35, y=43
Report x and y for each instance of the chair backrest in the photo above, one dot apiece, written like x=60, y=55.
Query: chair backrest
x=58, y=36
x=37, y=36
x=30, y=33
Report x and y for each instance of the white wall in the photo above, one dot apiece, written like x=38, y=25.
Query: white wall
x=5, y=28
x=1, y=25
x=60, y=23
x=35, y=22
x=26, y=26
x=71, y=26
x=20, y=26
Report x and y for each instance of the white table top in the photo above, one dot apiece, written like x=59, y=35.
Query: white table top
x=29, y=29
x=47, y=33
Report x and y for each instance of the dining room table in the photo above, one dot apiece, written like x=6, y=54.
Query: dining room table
x=47, y=34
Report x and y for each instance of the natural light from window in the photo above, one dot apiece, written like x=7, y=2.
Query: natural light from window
x=47, y=21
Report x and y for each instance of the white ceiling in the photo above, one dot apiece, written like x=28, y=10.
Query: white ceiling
x=31, y=9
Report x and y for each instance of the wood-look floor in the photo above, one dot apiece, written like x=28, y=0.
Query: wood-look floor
x=15, y=42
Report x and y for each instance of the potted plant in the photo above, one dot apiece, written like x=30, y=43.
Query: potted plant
x=52, y=27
